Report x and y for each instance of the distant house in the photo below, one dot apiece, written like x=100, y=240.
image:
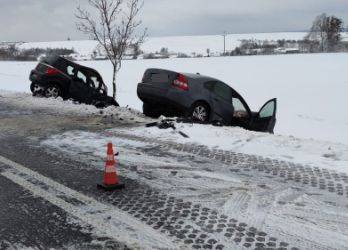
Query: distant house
x=287, y=50
x=292, y=50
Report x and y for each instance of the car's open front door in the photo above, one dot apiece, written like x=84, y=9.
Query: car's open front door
x=265, y=119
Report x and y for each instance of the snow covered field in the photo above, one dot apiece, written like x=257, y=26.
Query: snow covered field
x=200, y=44
x=182, y=44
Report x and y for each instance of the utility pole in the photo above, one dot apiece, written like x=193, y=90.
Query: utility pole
x=224, y=35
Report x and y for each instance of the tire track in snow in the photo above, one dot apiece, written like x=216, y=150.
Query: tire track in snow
x=313, y=177
x=240, y=163
x=186, y=220
x=162, y=229
x=107, y=220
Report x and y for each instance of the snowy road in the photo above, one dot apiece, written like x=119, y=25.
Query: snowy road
x=177, y=196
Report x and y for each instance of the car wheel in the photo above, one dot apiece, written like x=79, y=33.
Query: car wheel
x=53, y=90
x=151, y=110
x=36, y=89
x=200, y=112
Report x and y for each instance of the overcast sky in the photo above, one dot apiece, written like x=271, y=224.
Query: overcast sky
x=47, y=20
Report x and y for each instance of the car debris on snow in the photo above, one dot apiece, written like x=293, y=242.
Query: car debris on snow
x=166, y=123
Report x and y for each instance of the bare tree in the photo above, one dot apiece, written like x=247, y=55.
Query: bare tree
x=114, y=28
x=334, y=29
x=325, y=31
x=208, y=52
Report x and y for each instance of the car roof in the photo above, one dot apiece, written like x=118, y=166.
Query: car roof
x=200, y=77
x=54, y=59
x=196, y=77
x=58, y=61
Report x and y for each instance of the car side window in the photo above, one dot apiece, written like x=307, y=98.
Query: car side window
x=209, y=85
x=267, y=111
x=82, y=76
x=70, y=70
x=94, y=81
x=223, y=91
x=239, y=108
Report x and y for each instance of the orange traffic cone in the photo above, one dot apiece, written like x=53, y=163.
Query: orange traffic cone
x=110, y=181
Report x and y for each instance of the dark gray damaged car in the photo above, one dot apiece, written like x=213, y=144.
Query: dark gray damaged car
x=201, y=98
x=57, y=76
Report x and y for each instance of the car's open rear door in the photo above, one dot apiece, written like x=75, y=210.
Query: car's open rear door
x=265, y=119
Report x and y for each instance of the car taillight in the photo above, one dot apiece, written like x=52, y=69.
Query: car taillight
x=51, y=71
x=180, y=82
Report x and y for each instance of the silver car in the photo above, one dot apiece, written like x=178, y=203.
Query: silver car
x=201, y=98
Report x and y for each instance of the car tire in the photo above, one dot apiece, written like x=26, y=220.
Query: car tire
x=36, y=89
x=199, y=112
x=52, y=90
x=151, y=110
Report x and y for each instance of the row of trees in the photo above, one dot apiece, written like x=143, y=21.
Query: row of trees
x=12, y=53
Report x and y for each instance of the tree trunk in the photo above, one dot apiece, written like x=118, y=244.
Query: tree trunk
x=114, y=82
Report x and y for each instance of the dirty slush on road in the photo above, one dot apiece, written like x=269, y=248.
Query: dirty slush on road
x=177, y=196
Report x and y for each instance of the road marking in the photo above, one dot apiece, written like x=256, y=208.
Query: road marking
x=106, y=219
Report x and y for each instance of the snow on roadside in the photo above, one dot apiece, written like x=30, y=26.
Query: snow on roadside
x=312, y=152
x=60, y=106
x=324, y=154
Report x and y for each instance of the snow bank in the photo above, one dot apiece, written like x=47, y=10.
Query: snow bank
x=312, y=152
x=316, y=153
x=59, y=106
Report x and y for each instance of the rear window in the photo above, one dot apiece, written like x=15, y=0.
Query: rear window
x=159, y=77
x=57, y=62
x=51, y=60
